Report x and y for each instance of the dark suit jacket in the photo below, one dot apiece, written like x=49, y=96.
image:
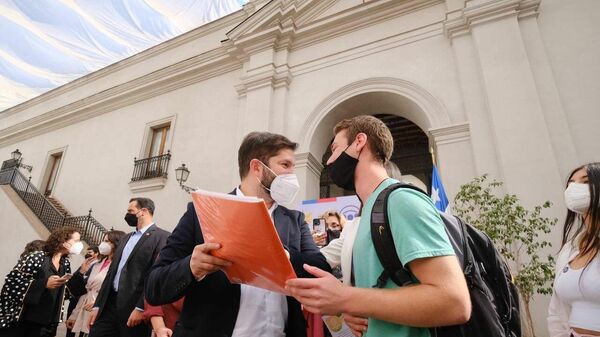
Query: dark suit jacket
x=211, y=305
x=42, y=305
x=134, y=272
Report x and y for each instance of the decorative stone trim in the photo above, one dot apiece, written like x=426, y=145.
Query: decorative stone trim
x=309, y=161
x=147, y=184
x=460, y=23
x=275, y=77
x=355, y=19
x=154, y=84
x=451, y=134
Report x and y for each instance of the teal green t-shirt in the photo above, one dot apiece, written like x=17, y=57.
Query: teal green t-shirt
x=418, y=232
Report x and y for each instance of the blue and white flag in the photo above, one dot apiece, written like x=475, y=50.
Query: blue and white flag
x=438, y=194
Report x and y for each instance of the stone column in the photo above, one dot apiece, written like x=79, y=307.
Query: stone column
x=517, y=127
x=454, y=156
x=308, y=169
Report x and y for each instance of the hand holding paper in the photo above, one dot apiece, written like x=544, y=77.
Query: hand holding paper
x=324, y=295
x=241, y=240
x=202, y=263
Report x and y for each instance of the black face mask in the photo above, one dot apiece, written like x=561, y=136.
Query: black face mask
x=131, y=219
x=87, y=256
x=333, y=234
x=341, y=171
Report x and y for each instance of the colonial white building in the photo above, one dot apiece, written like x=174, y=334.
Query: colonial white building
x=505, y=87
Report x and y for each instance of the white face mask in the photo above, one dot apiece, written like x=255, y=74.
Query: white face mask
x=76, y=248
x=577, y=198
x=284, y=187
x=104, y=248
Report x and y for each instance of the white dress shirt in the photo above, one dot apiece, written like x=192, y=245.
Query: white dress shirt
x=262, y=312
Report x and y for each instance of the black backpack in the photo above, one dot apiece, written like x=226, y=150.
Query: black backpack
x=494, y=297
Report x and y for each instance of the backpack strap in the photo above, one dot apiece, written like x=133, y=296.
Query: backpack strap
x=384, y=242
x=468, y=254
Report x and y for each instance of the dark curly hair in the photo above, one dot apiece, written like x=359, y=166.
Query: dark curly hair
x=56, y=239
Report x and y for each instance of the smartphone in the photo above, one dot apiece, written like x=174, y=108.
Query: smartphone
x=319, y=225
x=67, y=276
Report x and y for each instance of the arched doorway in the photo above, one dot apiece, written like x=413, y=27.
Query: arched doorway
x=414, y=105
x=411, y=154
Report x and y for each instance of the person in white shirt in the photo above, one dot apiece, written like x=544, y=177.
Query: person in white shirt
x=574, y=309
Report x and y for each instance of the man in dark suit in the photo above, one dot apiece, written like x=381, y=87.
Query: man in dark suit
x=213, y=306
x=119, y=307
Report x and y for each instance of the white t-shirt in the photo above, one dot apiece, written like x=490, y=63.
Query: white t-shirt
x=580, y=288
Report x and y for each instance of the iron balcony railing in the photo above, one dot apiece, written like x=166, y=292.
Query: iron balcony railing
x=90, y=229
x=153, y=167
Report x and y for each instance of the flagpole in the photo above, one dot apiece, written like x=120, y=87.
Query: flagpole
x=432, y=156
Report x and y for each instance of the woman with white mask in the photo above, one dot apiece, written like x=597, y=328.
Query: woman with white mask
x=80, y=317
x=575, y=305
x=34, y=291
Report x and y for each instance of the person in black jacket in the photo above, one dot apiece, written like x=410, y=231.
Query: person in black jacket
x=118, y=310
x=214, y=306
x=34, y=292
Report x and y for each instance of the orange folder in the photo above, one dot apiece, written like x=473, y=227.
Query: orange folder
x=248, y=238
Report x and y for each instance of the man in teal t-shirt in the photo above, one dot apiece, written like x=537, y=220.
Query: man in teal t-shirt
x=361, y=147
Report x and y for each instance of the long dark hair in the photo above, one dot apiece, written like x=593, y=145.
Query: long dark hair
x=590, y=235
x=114, y=237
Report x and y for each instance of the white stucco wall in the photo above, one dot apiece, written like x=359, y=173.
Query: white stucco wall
x=16, y=233
x=569, y=30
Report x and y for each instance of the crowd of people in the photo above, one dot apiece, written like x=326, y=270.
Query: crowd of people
x=152, y=282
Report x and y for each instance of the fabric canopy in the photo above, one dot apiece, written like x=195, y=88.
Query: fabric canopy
x=47, y=43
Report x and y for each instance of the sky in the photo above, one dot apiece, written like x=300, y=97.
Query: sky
x=47, y=43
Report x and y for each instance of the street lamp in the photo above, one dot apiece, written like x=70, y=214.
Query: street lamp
x=17, y=157
x=182, y=173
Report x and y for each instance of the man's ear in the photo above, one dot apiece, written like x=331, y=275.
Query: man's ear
x=361, y=141
x=255, y=167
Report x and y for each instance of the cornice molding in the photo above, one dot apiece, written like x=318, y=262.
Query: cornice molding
x=275, y=77
x=154, y=84
x=451, y=134
x=308, y=160
x=460, y=22
x=354, y=19
x=287, y=28
x=271, y=14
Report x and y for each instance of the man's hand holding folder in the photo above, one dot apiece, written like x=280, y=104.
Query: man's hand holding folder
x=241, y=240
x=203, y=263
